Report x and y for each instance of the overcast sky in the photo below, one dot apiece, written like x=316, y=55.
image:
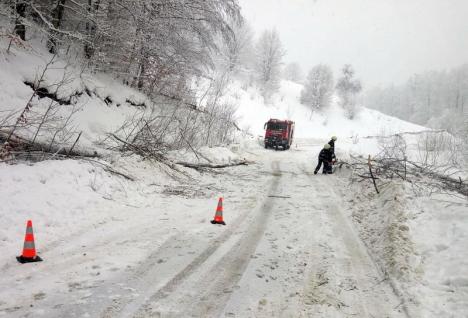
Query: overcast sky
x=385, y=40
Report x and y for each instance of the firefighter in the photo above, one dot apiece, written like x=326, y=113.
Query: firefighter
x=325, y=157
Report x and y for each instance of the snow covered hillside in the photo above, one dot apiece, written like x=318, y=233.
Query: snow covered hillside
x=97, y=104
x=253, y=113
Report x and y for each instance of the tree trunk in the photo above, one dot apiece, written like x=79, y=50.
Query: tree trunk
x=57, y=17
x=141, y=78
x=20, y=28
x=93, y=8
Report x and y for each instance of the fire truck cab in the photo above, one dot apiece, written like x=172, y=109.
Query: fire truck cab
x=279, y=133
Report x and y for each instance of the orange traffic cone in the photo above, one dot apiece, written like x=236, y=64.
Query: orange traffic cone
x=29, y=249
x=218, y=219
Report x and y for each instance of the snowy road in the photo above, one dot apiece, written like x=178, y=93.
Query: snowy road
x=288, y=250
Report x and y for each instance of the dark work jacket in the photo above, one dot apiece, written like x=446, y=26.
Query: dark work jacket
x=325, y=155
x=332, y=147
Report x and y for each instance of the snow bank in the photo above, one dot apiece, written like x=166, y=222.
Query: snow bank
x=419, y=242
x=439, y=226
x=384, y=227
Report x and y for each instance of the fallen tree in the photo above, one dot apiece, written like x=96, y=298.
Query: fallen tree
x=382, y=170
x=435, y=163
x=200, y=166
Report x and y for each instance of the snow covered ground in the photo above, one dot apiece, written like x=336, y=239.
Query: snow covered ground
x=112, y=247
x=295, y=244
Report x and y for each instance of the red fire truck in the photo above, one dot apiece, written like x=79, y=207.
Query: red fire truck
x=279, y=133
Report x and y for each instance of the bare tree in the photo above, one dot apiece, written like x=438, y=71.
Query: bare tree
x=237, y=54
x=269, y=55
x=155, y=46
x=348, y=88
x=318, y=88
x=292, y=72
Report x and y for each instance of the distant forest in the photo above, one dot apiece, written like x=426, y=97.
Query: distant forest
x=437, y=99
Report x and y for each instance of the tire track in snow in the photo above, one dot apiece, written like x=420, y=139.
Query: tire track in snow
x=365, y=289
x=151, y=270
x=211, y=298
x=212, y=291
x=126, y=306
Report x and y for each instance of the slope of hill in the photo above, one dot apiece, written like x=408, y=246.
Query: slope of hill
x=94, y=104
x=253, y=113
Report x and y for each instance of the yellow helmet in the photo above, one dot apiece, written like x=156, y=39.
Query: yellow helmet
x=334, y=138
x=326, y=146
